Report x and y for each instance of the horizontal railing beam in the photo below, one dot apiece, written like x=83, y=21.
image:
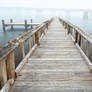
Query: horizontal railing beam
x=83, y=33
x=81, y=38
x=7, y=53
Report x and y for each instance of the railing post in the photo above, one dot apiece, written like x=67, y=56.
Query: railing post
x=47, y=25
x=29, y=44
x=76, y=36
x=37, y=38
x=68, y=29
x=3, y=24
x=82, y=42
x=11, y=21
x=79, y=39
x=22, y=50
x=3, y=73
x=40, y=32
x=10, y=66
x=44, y=28
x=88, y=49
x=31, y=25
x=65, y=25
x=25, y=25
x=33, y=39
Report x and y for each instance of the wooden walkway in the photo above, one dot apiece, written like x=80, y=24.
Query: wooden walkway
x=55, y=66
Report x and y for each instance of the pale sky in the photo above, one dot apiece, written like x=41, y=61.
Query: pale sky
x=74, y=4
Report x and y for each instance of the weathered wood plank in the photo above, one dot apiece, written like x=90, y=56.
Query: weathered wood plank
x=3, y=73
x=56, y=65
x=7, y=62
x=11, y=66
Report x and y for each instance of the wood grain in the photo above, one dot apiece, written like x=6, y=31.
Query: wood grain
x=55, y=66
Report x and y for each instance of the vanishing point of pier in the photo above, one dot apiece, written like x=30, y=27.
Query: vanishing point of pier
x=55, y=61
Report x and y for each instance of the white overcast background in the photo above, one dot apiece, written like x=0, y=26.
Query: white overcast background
x=66, y=4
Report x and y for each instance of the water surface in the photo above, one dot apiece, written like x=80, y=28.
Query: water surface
x=81, y=18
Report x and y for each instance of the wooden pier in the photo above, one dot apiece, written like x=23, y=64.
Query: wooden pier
x=12, y=24
x=55, y=63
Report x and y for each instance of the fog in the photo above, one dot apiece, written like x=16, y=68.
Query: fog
x=66, y=4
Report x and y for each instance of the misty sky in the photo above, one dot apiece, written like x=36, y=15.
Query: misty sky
x=74, y=4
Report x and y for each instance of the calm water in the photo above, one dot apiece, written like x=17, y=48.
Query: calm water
x=83, y=19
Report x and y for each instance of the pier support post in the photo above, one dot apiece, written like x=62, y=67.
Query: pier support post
x=88, y=49
x=37, y=38
x=68, y=30
x=64, y=25
x=23, y=50
x=3, y=73
x=25, y=25
x=41, y=31
x=11, y=21
x=29, y=44
x=44, y=29
x=76, y=37
x=79, y=39
x=33, y=39
x=31, y=25
x=47, y=25
x=82, y=42
x=11, y=66
x=3, y=24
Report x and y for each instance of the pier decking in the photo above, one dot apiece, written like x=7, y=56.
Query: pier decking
x=56, y=65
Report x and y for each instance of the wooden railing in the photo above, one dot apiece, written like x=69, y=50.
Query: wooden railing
x=11, y=24
x=81, y=38
x=7, y=57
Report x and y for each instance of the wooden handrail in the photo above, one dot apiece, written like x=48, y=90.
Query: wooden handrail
x=7, y=58
x=78, y=36
x=13, y=44
x=86, y=35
